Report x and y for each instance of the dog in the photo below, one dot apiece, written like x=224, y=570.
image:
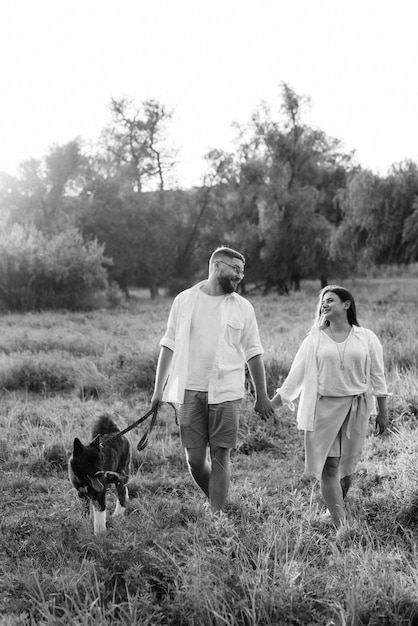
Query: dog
x=93, y=467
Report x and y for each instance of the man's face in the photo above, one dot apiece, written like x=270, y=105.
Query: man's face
x=230, y=274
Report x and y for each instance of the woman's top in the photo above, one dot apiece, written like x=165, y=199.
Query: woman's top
x=303, y=378
x=341, y=366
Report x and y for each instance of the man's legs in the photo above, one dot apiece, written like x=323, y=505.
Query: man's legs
x=200, y=423
x=220, y=477
x=193, y=418
x=199, y=467
x=213, y=478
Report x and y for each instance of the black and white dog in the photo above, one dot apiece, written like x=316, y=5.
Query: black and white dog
x=93, y=467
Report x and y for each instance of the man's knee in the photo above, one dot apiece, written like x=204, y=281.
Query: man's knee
x=331, y=467
x=196, y=457
x=219, y=455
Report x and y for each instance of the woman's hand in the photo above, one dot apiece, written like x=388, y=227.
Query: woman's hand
x=382, y=417
x=276, y=401
x=382, y=422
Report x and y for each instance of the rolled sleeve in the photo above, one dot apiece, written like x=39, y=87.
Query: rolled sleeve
x=169, y=338
x=251, y=344
x=377, y=368
x=292, y=386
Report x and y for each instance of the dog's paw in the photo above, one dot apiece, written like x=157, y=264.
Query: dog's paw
x=119, y=509
x=99, y=521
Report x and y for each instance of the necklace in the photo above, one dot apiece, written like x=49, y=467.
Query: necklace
x=341, y=356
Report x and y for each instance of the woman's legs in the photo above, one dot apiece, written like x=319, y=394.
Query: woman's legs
x=332, y=490
x=346, y=482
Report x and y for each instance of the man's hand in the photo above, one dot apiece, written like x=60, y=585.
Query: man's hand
x=262, y=405
x=263, y=408
x=156, y=400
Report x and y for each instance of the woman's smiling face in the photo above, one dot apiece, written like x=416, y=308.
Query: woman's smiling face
x=332, y=306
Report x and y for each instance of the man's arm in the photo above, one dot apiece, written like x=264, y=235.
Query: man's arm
x=163, y=368
x=262, y=405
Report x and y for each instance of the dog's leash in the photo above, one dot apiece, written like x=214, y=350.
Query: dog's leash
x=143, y=442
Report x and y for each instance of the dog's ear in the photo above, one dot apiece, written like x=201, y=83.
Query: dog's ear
x=96, y=442
x=77, y=446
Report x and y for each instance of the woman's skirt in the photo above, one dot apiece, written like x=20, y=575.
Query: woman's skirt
x=340, y=429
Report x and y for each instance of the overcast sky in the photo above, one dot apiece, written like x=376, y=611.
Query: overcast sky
x=213, y=62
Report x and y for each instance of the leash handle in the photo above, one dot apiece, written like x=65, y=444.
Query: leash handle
x=131, y=426
x=143, y=442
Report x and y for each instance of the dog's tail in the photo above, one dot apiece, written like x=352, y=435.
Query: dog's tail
x=103, y=426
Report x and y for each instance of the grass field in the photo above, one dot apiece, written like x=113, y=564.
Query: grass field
x=271, y=560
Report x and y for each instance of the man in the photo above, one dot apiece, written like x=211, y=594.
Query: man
x=211, y=333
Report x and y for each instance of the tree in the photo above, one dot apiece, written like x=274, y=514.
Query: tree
x=136, y=142
x=103, y=216
x=410, y=234
x=39, y=271
x=43, y=190
x=378, y=216
x=292, y=175
x=145, y=237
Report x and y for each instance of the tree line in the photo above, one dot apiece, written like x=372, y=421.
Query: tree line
x=289, y=197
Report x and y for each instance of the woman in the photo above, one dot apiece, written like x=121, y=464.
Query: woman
x=337, y=372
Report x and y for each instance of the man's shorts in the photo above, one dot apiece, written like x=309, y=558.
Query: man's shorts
x=202, y=423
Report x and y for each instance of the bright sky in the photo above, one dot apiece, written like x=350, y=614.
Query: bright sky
x=213, y=62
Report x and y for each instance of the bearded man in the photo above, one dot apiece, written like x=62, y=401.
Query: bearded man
x=211, y=334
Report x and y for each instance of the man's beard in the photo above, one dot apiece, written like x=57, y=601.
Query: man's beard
x=228, y=284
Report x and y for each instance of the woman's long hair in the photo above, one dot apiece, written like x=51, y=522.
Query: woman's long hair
x=345, y=296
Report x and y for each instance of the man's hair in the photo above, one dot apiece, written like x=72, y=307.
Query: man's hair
x=226, y=251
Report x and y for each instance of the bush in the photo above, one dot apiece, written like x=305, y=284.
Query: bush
x=47, y=373
x=37, y=373
x=132, y=372
x=41, y=272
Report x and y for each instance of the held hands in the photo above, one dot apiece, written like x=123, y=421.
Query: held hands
x=263, y=408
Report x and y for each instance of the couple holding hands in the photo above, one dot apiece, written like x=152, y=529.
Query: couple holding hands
x=337, y=375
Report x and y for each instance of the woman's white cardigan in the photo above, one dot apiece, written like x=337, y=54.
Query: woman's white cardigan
x=302, y=379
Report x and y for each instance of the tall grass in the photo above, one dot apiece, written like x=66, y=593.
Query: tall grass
x=271, y=559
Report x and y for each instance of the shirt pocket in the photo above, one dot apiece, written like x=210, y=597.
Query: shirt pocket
x=234, y=330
